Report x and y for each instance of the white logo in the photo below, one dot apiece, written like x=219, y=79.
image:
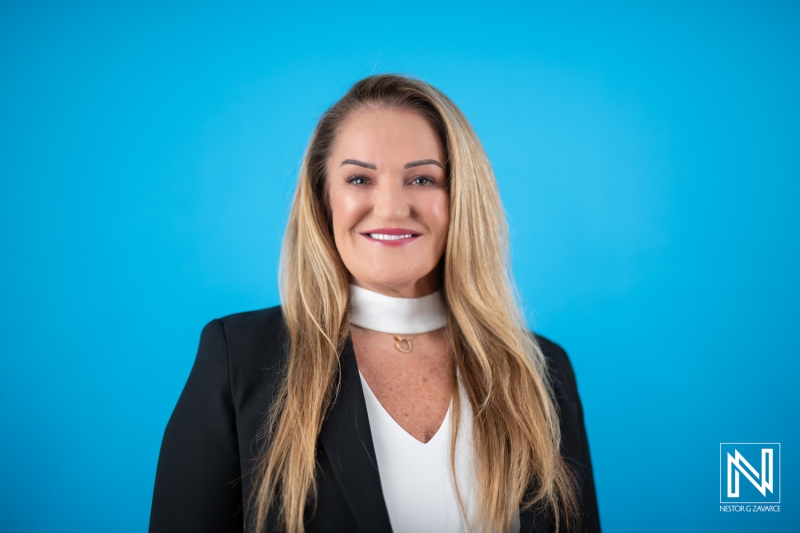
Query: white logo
x=740, y=459
x=740, y=463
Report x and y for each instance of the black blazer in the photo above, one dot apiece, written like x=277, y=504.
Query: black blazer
x=209, y=448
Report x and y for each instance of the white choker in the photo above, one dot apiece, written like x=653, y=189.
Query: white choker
x=401, y=316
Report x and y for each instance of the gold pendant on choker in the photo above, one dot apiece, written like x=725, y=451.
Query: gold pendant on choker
x=401, y=342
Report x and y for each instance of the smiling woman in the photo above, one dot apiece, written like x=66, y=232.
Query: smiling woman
x=386, y=167
x=397, y=387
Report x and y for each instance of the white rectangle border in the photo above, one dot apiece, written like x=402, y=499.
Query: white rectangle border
x=780, y=465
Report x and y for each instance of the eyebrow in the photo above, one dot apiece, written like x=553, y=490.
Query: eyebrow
x=358, y=163
x=373, y=166
x=423, y=162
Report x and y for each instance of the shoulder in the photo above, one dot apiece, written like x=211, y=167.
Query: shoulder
x=246, y=353
x=253, y=339
x=574, y=443
x=252, y=326
x=559, y=368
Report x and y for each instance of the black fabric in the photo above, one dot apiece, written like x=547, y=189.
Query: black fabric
x=205, y=469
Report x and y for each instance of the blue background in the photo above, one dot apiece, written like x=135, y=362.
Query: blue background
x=648, y=160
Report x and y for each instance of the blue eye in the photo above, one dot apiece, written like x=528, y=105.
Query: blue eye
x=425, y=179
x=357, y=180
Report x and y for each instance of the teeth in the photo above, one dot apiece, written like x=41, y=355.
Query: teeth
x=384, y=237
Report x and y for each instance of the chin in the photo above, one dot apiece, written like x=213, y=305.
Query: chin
x=392, y=281
x=389, y=276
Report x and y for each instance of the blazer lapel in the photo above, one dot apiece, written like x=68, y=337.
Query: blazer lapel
x=347, y=440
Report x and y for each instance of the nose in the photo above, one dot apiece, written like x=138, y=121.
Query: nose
x=391, y=201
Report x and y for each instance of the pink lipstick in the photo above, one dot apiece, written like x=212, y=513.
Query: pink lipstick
x=391, y=236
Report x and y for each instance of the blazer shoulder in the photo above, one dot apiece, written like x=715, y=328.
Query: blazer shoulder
x=559, y=367
x=249, y=322
x=574, y=440
x=255, y=337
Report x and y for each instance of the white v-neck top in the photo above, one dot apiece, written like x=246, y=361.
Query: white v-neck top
x=416, y=478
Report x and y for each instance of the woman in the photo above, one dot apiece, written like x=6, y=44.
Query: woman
x=397, y=387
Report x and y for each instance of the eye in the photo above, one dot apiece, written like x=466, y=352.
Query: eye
x=357, y=180
x=422, y=180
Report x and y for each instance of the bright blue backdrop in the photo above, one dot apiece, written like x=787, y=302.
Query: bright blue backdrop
x=647, y=157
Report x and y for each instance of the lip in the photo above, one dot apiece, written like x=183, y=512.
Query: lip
x=392, y=231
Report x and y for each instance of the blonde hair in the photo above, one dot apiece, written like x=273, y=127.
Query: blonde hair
x=515, y=429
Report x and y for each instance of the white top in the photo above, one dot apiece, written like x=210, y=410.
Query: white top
x=401, y=316
x=416, y=478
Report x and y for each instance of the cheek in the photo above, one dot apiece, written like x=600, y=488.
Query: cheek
x=346, y=211
x=440, y=215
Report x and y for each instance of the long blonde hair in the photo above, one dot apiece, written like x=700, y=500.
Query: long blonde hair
x=515, y=429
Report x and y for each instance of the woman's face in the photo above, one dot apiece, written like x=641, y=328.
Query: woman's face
x=390, y=207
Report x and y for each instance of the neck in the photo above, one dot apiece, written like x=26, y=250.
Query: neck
x=390, y=314
x=421, y=287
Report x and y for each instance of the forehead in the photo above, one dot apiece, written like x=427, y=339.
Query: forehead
x=381, y=133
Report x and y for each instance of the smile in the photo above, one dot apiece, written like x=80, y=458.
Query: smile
x=391, y=236
x=385, y=237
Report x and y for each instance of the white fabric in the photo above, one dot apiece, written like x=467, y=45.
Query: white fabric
x=416, y=478
x=401, y=316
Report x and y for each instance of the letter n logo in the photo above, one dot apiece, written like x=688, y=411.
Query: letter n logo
x=750, y=472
